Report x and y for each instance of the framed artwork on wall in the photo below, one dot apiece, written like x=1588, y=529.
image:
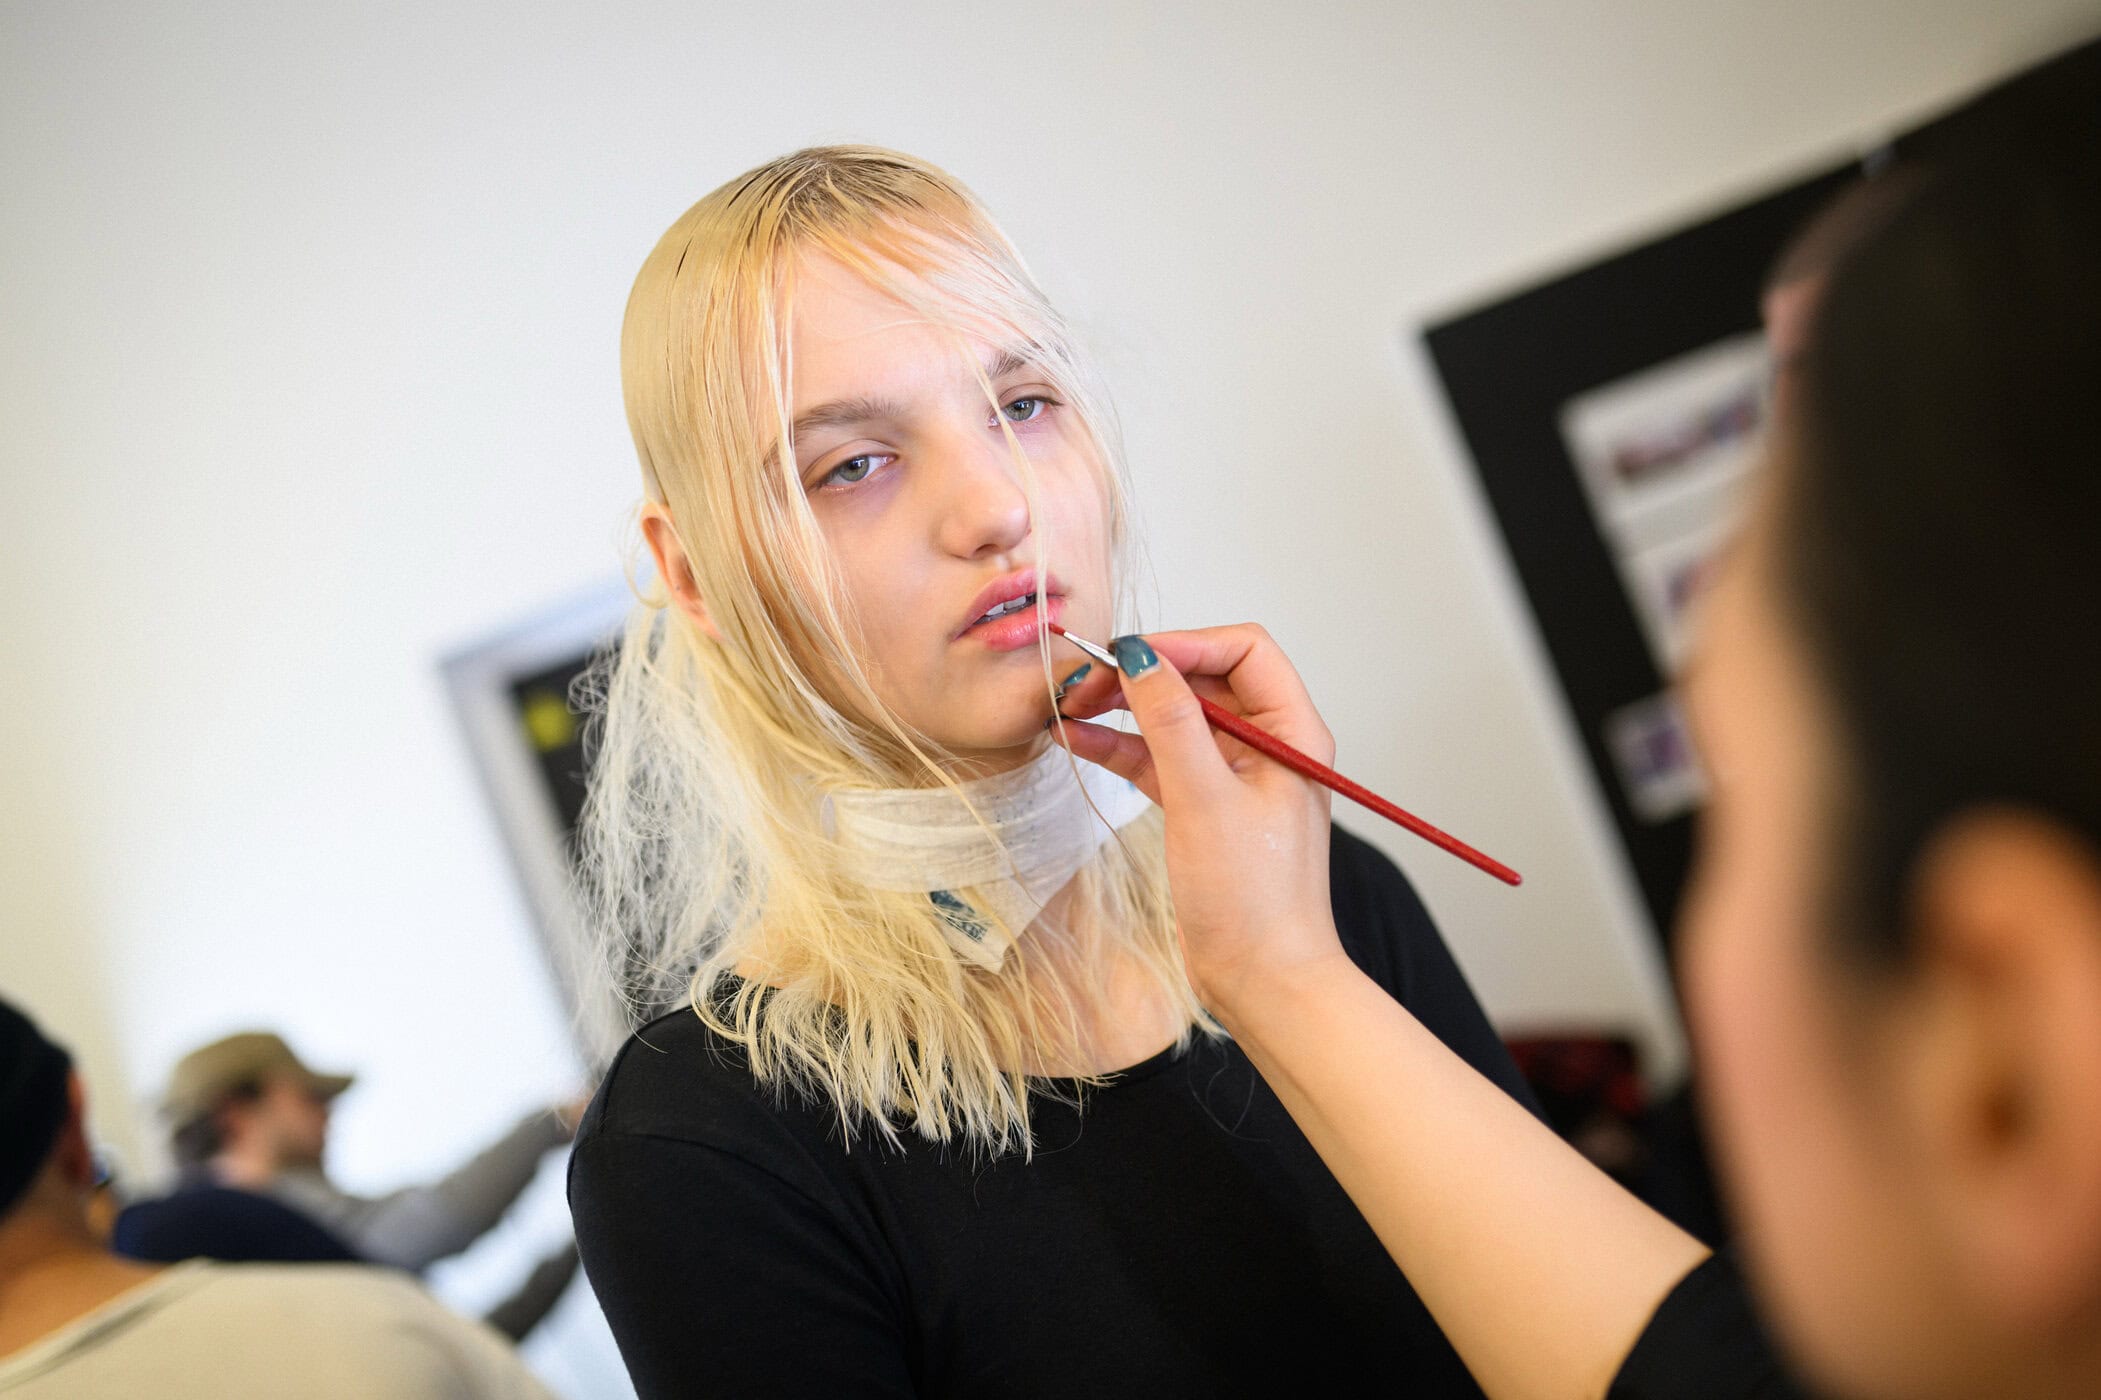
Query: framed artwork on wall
x=1612, y=415
x=511, y=692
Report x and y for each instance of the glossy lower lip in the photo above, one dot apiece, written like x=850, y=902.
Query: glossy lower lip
x=1017, y=629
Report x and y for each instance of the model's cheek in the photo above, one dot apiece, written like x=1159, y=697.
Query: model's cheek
x=1073, y=499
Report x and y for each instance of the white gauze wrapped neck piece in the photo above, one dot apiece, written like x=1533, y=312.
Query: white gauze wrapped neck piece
x=925, y=839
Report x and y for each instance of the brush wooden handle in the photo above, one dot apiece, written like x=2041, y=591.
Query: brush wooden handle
x=1222, y=718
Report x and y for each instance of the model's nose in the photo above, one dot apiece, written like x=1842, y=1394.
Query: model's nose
x=985, y=511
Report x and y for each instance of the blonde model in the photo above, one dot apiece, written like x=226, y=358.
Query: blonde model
x=921, y=1101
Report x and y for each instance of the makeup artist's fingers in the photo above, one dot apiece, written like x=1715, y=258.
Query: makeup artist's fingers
x=1102, y=691
x=1123, y=754
x=1247, y=838
x=1126, y=755
x=1264, y=684
x=1180, y=747
x=1239, y=668
x=1096, y=691
x=1098, y=687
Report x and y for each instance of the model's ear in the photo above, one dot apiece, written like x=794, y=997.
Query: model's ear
x=674, y=568
x=1998, y=1048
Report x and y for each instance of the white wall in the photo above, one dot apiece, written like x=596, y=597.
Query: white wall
x=307, y=374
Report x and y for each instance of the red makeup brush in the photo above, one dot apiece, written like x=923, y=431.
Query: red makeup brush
x=1320, y=773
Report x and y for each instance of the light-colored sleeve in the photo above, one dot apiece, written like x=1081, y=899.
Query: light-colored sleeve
x=205, y=1331
x=415, y=1227
x=477, y=1363
x=397, y=1341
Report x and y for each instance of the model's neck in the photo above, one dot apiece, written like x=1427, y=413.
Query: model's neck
x=1131, y=1020
x=1127, y=1018
x=971, y=764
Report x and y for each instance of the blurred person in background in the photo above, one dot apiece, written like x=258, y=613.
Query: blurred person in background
x=1892, y=944
x=250, y=1132
x=78, y=1321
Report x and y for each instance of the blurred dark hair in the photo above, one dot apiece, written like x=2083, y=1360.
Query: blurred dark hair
x=35, y=1103
x=196, y=1142
x=1939, y=540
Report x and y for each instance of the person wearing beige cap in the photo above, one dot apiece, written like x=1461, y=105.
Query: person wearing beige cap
x=78, y=1321
x=247, y=1107
x=249, y=1114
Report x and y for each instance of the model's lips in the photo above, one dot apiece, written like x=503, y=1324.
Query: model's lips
x=1008, y=611
x=1011, y=631
x=1007, y=595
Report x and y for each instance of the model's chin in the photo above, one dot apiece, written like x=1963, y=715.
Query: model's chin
x=1006, y=726
x=1000, y=701
x=968, y=762
x=1002, y=746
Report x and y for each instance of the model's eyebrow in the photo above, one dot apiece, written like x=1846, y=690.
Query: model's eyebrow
x=1004, y=364
x=840, y=412
x=861, y=408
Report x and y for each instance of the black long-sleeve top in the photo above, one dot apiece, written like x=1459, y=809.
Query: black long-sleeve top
x=1176, y=1237
x=1706, y=1342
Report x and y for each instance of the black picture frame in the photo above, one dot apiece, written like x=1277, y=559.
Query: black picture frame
x=1510, y=367
x=510, y=692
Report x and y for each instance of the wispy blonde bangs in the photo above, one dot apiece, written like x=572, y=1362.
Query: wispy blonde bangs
x=703, y=849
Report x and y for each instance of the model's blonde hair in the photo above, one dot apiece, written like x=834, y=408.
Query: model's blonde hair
x=704, y=847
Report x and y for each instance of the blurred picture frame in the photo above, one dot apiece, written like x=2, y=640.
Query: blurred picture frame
x=511, y=693
x=1612, y=415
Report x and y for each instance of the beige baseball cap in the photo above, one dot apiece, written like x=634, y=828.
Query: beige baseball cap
x=203, y=1076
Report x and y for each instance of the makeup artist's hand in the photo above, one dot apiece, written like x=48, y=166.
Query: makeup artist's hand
x=1476, y=1200
x=1247, y=838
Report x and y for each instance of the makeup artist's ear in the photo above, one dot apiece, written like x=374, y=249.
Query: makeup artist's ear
x=1996, y=1054
x=674, y=568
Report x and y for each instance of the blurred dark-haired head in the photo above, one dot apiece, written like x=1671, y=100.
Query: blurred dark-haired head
x=1940, y=496
x=35, y=1103
x=1892, y=947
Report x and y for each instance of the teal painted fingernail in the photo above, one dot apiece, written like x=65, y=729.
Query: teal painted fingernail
x=1079, y=672
x=1134, y=655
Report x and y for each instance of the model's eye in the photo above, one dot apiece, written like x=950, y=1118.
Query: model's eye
x=853, y=469
x=1022, y=410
